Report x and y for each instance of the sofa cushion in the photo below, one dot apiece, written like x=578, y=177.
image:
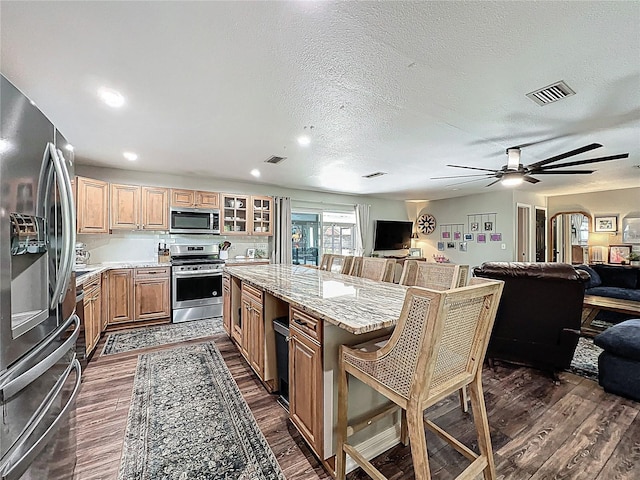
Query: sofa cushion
x=617, y=276
x=622, y=339
x=614, y=292
x=595, y=280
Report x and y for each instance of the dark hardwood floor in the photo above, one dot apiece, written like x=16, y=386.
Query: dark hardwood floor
x=540, y=430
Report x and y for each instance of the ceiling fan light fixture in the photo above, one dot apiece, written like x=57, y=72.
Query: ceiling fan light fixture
x=511, y=179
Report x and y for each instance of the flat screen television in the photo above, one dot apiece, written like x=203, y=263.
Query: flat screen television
x=392, y=235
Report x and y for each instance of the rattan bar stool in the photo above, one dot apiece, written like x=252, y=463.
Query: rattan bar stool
x=325, y=262
x=335, y=263
x=347, y=264
x=380, y=269
x=437, y=276
x=437, y=347
x=356, y=267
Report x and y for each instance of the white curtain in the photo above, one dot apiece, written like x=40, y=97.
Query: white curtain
x=282, y=231
x=362, y=227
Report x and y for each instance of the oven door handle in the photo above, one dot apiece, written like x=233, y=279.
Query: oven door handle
x=198, y=273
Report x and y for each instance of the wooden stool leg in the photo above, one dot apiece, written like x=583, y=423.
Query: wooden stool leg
x=419, y=454
x=464, y=399
x=404, y=432
x=343, y=405
x=482, y=425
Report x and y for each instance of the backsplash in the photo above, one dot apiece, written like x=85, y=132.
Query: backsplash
x=143, y=246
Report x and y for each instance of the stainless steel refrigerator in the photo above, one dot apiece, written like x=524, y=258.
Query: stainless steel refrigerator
x=39, y=372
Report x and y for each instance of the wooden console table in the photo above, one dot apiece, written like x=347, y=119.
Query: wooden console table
x=593, y=304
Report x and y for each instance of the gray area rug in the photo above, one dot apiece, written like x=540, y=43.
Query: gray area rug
x=585, y=359
x=188, y=421
x=161, y=335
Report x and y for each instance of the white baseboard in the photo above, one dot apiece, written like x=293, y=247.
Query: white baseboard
x=376, y=445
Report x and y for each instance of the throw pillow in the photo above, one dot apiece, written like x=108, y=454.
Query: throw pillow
x=595, y=280
x=618, y=276
x=622, y=339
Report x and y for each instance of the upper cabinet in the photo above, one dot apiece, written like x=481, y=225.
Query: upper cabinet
x=194, y=199
x=261, y=213
x=92, y=205
x=246, y=215
x=139, y=208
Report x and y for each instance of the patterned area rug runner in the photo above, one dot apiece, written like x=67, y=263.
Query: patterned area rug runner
x=188, y=421
x=585, y=359
x=161, y=335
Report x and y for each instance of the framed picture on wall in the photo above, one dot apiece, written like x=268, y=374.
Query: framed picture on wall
x=631, y=230
x=619, y=253
x=468, y=237
x=606, y=224
x=482, y=238
x=451, y=244
x=441, y=246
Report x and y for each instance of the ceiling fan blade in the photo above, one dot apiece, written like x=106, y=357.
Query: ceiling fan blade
x=467, y=181
x=493, y=183
x=583, y=162
x=567, y=172
x=464, y=176
x=562, y=156
x=473, y=168
x=529, y=179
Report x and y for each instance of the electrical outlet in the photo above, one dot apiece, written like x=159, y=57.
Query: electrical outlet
x=503, y=246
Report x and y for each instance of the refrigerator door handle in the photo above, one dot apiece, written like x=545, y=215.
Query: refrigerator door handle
x=14, y=385
x=68, y=227
x=14, y=469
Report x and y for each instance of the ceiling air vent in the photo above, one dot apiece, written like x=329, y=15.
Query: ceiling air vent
x=275, y=159
x=552, y=93
x=375, y=174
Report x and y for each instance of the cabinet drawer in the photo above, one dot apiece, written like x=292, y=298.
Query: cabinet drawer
x=152, y=272
x=253, y=291
x=306, y=324
x=91, y=283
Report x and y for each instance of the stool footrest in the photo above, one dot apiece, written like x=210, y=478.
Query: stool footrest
x=372, y=471
x=455, y=443
x=377, y=415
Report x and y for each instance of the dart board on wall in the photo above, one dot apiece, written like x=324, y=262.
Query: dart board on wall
x=426, y=223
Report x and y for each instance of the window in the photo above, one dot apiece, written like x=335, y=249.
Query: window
x=338, y=232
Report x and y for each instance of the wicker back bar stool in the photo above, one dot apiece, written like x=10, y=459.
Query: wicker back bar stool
x=379, y=269
x=347, y=264
x=356, y=267
x=325, y=262
x=437, y=347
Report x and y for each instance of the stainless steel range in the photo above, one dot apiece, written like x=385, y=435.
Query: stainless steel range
x=197, y=282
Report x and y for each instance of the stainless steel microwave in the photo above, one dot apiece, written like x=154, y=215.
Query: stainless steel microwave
x=194, y=220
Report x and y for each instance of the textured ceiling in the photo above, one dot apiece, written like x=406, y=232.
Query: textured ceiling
x=215, y=88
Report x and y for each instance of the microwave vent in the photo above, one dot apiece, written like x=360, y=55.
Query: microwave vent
x=274, y=159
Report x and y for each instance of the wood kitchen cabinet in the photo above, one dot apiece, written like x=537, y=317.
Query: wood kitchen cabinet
x=235, y=214
x=92, y=205
x=194, y=198
x=261, y=216
x=92, y=314
x=305, y=385
x=226, y=303
x=139, y=294
x=121, y=296
x=252, y=345
x=139, y=208
x=104, y=290
x=152, y=294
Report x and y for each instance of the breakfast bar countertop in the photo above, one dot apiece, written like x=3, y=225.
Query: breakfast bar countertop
x=90, y=271
x=355, y=304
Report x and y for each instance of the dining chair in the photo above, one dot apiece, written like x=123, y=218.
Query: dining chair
x=380, y=269
x=347, y=264
x=437, y=276
x=440, y=342
x=335, y=263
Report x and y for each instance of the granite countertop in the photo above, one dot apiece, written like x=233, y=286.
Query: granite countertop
x=98, y=268
x=246, y=261
x=355, y=304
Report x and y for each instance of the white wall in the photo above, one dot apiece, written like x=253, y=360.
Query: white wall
x=500, y=202
x=142, y=246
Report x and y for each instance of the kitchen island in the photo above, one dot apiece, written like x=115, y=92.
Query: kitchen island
x=325, y=310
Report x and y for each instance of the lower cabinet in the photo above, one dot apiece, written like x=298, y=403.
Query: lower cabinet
x=252, y=344
x=139, y=294
x=92, y=314
x=305, y=387
x=226, y=303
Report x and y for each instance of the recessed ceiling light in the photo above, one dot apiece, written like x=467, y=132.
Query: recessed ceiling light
x=255, y=172
x=111, y=97
x=132, y=157
x=304, y=140
x=69, y=147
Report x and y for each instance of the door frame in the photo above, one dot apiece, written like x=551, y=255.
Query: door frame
x=527, y=234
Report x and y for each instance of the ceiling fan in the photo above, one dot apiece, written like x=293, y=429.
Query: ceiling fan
x=514, y=173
